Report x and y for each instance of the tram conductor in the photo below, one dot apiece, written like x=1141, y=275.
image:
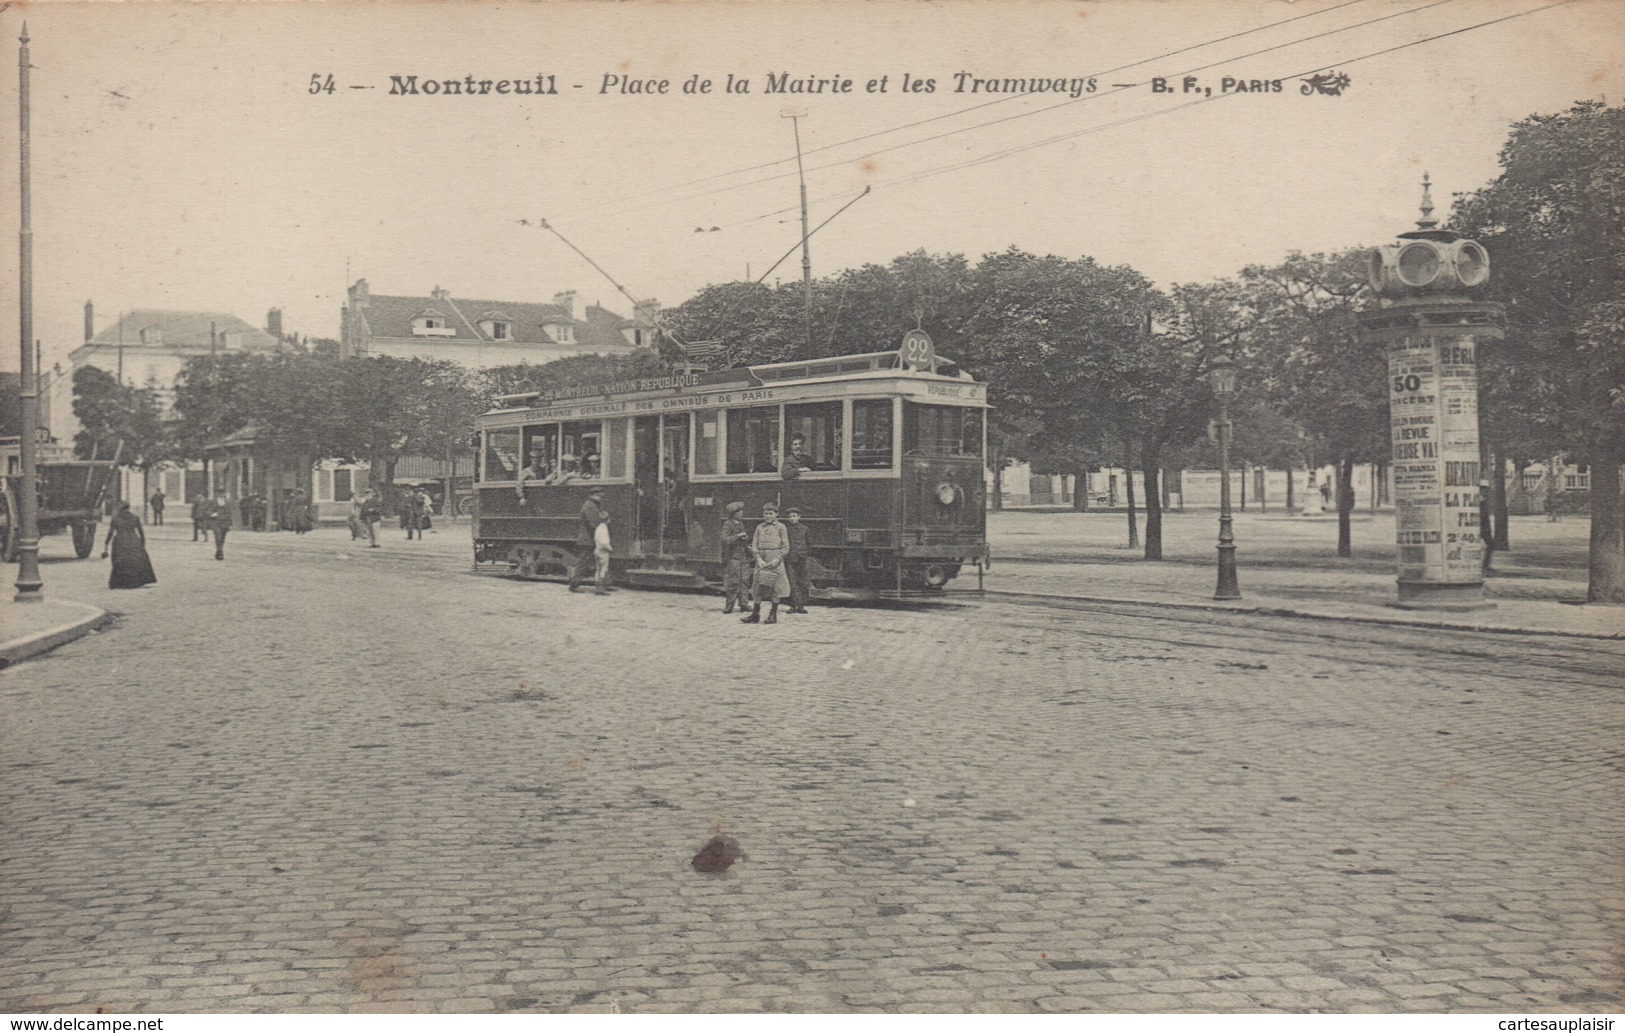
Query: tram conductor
x=592, y=514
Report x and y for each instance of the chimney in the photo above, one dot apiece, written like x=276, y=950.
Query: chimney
x=567, y=301
x=646, y=310
x=440, y=294
x=273, y=324
x=358, y=293
x=90, y=321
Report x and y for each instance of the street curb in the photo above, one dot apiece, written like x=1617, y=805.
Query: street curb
x=1280, y=611
x=21, y=649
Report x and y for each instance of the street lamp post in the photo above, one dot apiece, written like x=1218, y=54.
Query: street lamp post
x=29, y=583
x=1222, y=377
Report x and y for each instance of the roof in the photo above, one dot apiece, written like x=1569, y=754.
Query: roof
x=185, y=330
x=391, y=315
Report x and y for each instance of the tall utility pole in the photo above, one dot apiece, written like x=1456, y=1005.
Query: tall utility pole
x=795, y=118
x=30, y=588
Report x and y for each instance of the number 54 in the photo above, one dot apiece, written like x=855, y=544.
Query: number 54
x=320, y=83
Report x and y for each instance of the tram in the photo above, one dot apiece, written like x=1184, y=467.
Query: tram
x=881, y=452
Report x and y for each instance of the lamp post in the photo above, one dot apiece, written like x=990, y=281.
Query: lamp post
x=1222, y=378
x=29, y=583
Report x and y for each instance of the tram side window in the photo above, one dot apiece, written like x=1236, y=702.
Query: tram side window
x=541, y=452
x=813, y=435
x=753, y=439
x=582, y=454
x=941, y=430
x=501, y=459
x=705, y=444
x=871, y=434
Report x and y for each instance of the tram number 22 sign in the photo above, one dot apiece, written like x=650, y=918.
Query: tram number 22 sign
x=917, y=352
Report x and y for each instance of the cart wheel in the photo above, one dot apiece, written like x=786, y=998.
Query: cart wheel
x=84, y=539
x=465, y=506
x=8, y=529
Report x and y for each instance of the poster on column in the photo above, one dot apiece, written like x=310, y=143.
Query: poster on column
x=1413, y=428
x=1458, y=452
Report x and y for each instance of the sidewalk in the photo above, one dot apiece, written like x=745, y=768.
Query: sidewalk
x=29, y=629
x=1289, y=566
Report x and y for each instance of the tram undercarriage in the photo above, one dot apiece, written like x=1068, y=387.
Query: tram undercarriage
x=856, y=574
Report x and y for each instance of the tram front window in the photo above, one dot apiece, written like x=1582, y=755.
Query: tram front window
x=871, y=434
x=941, y=430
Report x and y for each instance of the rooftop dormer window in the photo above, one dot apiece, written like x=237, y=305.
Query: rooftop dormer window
x=561, y=333
x=497, y=326
x=432, y=324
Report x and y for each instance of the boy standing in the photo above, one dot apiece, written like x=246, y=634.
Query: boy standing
x=795, y=561
x=600, y=552
x=770, y=544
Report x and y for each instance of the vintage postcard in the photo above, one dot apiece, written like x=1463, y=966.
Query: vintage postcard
x=453, y=687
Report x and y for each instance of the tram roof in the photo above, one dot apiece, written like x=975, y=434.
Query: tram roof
x=775, y=373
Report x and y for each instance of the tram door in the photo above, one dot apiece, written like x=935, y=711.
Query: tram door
x=674, y=485
x=646, y=481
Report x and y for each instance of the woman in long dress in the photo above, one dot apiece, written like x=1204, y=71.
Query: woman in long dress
x=128, y=545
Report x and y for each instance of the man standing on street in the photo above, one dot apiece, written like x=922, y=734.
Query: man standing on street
x=200, y=518
x=735, y=559
x=157, y=504
x=586, y=564
x=372, y=512
x=219, y=518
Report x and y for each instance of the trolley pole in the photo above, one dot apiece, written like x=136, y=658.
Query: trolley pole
x=30, y=587
x=795, y=118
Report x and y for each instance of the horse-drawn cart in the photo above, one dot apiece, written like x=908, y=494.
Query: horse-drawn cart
x=70, y=492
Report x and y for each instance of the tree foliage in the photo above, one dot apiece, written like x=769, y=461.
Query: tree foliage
x=1554, y=223
x=120, y=419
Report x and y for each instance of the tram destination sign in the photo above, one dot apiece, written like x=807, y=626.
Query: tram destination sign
x=672, y=382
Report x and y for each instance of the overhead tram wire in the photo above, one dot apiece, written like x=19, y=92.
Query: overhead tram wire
x=1046, y=108
x=998, y=155
x=1007, y=152
x=624, y=292
x=728, y=313
x=1003, y=100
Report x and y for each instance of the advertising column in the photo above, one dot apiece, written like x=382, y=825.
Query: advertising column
x=1433, y=424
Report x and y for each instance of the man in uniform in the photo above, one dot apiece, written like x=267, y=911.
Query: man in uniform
x=735, y=558
x=592, y=513
x=795, y=563
x=157, y=503
x=219, y=520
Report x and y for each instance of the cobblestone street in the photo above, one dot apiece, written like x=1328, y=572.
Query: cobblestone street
x=319, y=778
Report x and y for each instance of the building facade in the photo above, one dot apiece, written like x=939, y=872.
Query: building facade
x=149, y=347
x=478, y=334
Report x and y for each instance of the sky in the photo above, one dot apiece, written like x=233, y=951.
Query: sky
x=180, y=158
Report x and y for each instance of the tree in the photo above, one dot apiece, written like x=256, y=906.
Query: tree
x=1553, y=222
x=572, y=371
x=1304, y=349
x=118, y=419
